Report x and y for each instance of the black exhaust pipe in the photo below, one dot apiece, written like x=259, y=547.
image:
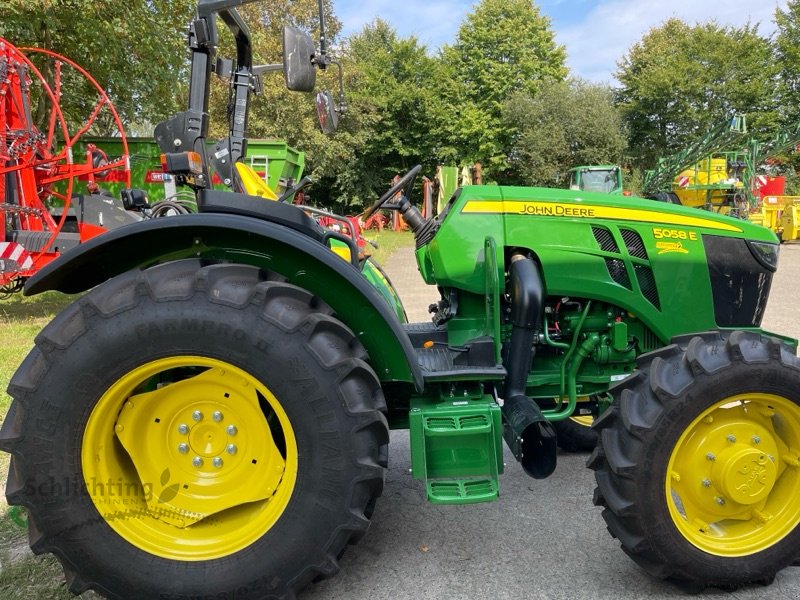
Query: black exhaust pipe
x=528, y=434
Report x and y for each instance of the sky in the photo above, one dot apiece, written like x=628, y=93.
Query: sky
x=596, y=33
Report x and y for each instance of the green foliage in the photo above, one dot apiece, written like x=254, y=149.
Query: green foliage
x=503, y=47
x=394, y=85
x=135, y=50
x=566, y=124
x=787, y=50
x=680, y=80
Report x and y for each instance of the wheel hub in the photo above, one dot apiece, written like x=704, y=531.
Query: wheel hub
x=202, y=445
x=744, y=474
x=208, y=439
x=733, y=481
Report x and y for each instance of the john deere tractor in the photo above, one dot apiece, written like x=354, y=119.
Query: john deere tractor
x=216, y=408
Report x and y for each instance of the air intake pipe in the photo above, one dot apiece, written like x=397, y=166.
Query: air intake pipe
x=528, y=434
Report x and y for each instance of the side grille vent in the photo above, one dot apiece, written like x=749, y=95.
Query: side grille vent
x=650, y=341
x=605, y=240
x=634, y=243
x=647, y=282
x=616, y=268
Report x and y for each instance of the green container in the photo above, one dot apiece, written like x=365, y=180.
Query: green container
x=274, y=159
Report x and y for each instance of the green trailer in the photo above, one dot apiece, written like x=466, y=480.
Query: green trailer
x=278, y=163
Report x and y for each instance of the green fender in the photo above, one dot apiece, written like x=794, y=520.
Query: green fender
x=235, y=238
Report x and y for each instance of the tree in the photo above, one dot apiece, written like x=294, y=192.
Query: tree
x=395, y=84
x=679, y=81
x=787, y=50
x=135, y=50
x=502, y=47
x=566, y=124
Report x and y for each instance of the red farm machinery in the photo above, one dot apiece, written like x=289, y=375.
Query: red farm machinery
x=50, y=195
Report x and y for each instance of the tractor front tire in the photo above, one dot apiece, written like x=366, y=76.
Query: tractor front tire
x=697, y=464
x=194, y=431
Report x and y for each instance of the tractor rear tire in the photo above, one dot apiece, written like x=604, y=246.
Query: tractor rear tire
x=575, y=434
x=256, y=408
x=697, y=468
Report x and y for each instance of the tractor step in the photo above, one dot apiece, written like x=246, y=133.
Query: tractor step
x=462, y=491
x=474, y=360
x=447, y=363
x=457, y=450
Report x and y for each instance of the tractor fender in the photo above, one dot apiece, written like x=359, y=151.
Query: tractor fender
x=304, y=262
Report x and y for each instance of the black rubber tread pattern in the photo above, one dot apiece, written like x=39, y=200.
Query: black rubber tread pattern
x=260, y=315
x=574, y=437
x=637, y=434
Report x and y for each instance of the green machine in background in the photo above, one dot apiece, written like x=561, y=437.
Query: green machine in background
x=596, y=178
x=276, y=161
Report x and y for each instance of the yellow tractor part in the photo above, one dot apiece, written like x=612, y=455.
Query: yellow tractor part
x=689, y=184
x=189, y=458
x=253, y=183
x=781, y=215
x=734, y=475
x=790, y=220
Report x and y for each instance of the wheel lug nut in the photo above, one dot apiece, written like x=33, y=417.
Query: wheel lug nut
x=183, y=429
x=710, y=456
x=197, y=461
x=217, y=416
x=706, y=483
x=197, y=415
x=217, y=462
x=183, y=448
x=731, y=438
x=755, y=439
x=232, y=430
x=231, y=449
x=719, y=500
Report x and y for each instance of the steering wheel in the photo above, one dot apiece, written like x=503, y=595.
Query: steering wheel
x=405, y=184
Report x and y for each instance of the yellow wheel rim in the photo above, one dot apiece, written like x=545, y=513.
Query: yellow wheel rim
x=733, y=479
x=189, y=458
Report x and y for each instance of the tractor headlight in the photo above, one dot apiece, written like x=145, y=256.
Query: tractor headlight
x=765, y=253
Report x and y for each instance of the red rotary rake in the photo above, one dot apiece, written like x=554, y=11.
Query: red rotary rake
x=49, y=193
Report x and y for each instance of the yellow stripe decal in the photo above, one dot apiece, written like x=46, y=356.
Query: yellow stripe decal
x=588, y=211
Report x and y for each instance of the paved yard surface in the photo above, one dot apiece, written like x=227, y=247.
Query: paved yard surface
x=542, y=539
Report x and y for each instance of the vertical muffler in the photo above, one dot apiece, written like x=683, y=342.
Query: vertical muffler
x=528, y=434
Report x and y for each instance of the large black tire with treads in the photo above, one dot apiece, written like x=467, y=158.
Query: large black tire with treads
x=696, y=465
x=239, y=420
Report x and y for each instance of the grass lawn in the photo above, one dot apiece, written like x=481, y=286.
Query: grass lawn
x=387, y=242
x=22, y=575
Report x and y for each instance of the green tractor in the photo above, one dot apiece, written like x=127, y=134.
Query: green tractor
x=212, y=418
x=606, y=179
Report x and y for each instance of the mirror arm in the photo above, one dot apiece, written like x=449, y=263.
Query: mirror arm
x=261, y=69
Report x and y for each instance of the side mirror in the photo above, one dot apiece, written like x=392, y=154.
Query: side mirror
x=326, y=111
x=298, y=50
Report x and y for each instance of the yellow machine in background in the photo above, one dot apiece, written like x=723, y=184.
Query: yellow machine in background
x=708, y=184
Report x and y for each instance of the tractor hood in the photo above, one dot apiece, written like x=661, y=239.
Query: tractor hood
x=678, y=268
